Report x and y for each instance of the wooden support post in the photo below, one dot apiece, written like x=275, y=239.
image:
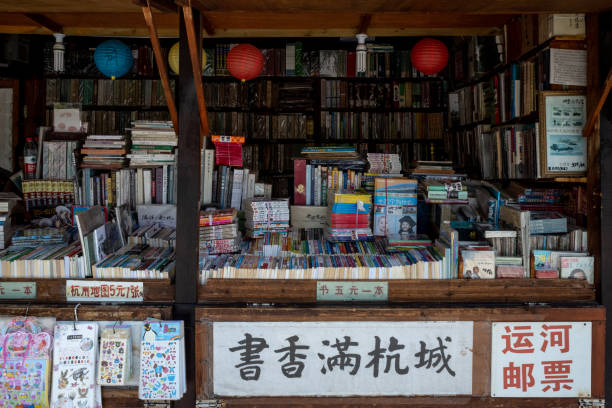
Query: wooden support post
x=195, y=48
x=603, y=138
x=161, y=66
x=590, y=126
x=188, y=206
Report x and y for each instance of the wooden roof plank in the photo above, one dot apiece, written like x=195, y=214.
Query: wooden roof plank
x=45, y=22
x=364, y=23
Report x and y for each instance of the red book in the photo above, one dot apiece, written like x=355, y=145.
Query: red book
x=299, y=182
x=351, y=64
x=546, y=274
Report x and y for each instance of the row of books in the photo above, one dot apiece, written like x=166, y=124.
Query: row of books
x=281, y=126
x=507, y=95
x=479, y=55
x=509, y=152
x=58, y=162
x=294, y=60
x=417, y=263
x=136, y=261
x=380, y=126
x=575, y=240
x=156, y=185
x=48, y=261
x=106, y=92
x=154, y=235
x=44, y=193
x=259, y=93
x=395, y=95
x=270, y=158
x=318, y=181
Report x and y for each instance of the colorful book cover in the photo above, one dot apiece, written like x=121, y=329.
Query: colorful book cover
x=542, y=259
x=478, y=264
x=395, y=219
x=577, y=267
x=162, y=361
x=75, y=350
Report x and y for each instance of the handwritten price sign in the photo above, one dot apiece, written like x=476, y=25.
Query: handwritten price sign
x=103, y=291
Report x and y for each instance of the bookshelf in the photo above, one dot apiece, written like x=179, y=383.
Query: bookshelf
x=156, y=291
x=454, y=291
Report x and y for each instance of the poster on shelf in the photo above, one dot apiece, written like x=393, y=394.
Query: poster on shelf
x=564, y=149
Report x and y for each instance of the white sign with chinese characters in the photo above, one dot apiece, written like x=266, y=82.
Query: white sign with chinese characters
x=103, y=291
x=342, y=358
x=551, y=360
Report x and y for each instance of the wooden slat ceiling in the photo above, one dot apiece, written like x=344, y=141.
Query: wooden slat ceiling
x=289, y=18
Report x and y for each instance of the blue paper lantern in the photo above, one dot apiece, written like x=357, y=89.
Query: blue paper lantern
x=113, y=58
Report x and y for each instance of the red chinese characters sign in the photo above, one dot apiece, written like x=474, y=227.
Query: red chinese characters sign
x=549, y=360
x=103, y=291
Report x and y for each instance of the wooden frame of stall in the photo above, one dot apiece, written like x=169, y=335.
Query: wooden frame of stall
x=190, y=19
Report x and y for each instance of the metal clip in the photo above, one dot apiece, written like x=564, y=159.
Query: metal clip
x=211, y=403
x=591, y=402
x=76, y=317
x=156, y=404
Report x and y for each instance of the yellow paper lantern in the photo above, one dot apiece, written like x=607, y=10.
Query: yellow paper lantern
x=173, y=58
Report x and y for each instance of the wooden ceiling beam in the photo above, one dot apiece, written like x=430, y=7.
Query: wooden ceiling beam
x=364, y=24
x=45, y=22
x=165, y=6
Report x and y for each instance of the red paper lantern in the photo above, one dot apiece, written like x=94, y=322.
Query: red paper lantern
x=245, y=62
x=429, y=56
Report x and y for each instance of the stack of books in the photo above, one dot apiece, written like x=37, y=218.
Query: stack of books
x=406, y=242
x=153, y=143
x=395, y=206
x=228, y=150
x=266, y=215
x=426, y=168
x=383, y=163
x=547, y=222
x=135, y=261
x=7, y=202
x=154, y=235
x=330, y=152
x=348, y=215
x=104, y=152
x=57, y=160
x=35, y=237
x=444, y=190
x=219, y=231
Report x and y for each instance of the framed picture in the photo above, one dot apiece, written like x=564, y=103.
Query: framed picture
x=562, y=148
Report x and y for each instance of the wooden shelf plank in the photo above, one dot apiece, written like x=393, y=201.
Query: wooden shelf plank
x=160, y=291
x=509, y=291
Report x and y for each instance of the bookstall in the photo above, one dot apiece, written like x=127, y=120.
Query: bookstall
x=300, y=203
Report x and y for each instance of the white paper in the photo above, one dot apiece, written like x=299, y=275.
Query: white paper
x=568, y=67
x=332, y=369
x=551, y=360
